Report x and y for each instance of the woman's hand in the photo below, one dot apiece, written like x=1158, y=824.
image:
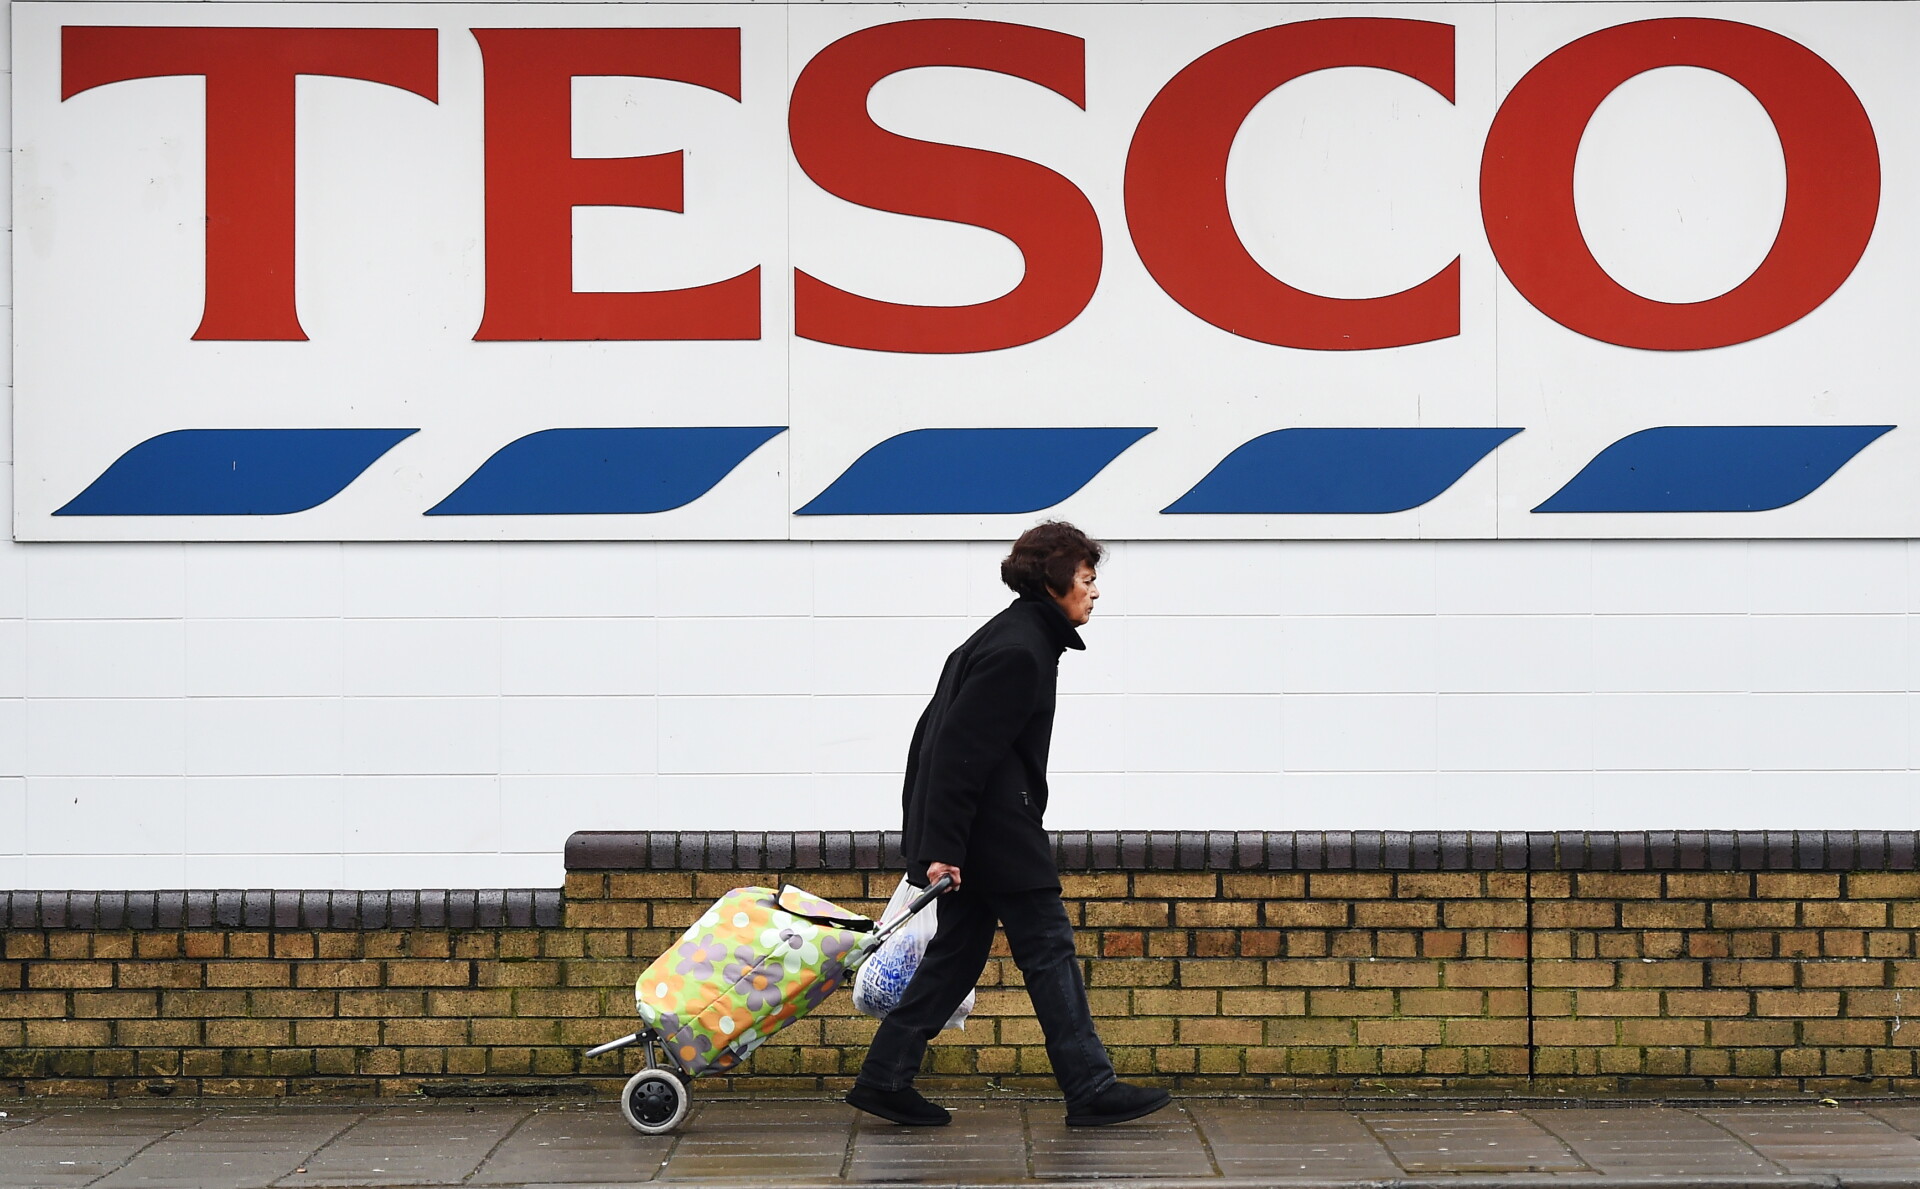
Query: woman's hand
x=936, y=870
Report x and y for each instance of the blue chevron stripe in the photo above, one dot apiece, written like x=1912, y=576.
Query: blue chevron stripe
x=233, y=472
x=980, y=472
x=601, y=472
x=1307, y=471
x=1712, y=468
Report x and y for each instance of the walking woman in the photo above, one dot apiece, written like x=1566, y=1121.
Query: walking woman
x=976, y=790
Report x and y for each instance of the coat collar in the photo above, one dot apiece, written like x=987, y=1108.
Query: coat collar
x=1058, y=627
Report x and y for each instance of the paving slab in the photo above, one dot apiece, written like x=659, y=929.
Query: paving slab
x=1470, y=1142
x=410, y=1146
x=1900, y=1118
x=985, y=1143
x=589, y=1145
x=1163, y=1145
x=1651, y=1140
x=784, y=1142
x=77, y=1147
x=1253, y=1139
x=1822, y=1140
x=231, y=1151
x=762, y=1144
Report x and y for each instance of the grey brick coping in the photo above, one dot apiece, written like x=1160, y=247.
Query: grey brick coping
x=1075, y=850
x=472, y=909
x=1318, y=850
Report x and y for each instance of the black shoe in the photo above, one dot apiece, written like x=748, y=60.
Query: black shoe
x=1118, y=1103
x=899, y=1106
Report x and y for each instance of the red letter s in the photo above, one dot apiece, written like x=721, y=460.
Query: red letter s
x=846, y=153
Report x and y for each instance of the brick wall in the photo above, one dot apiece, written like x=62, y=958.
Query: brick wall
x=1455, y=962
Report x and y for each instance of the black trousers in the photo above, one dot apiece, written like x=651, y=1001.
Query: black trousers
x=1041, y=939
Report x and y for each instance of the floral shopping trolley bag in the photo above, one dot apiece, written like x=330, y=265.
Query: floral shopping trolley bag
x=756, y=961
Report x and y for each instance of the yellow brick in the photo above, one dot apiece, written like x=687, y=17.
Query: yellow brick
x=1306, y=914
x=1349, y=886
x=249, y=974
x=1396, y=914
x=356, y=1033
x=1221, y=972
x=1860, y=914
x=1215, y=914
x=1485, y=974
x=1170, y=1002
x=1093, y=885
x=159, y=974
x=1219, y=1030
x=1396, y=974
x=1398, y=1032
x=115, y=1005
x=90, y=1034
x=1617, y=1003
x=1575, y=914
x=1796, y=1003
x=1263, y=1003
x=1663, y=974
x=624, y=914
x=1669, y=914
x=1171, y=886
x=1329, y=1032
x=1616, y=885
x=424, y=1032
x=383, y=1003
x=1844, y=973
x=1262, y=887
x=60, y=975
x=1704, y=885
x=1438, y=885
x=1756, y=914
x=1707, y=1003
x=1125, y=914
x=1443, y=1003
x=1350, y=1003
x=291, y=1003
x=1574, y=974
x=1130, y=972
x=1777, y=885
x=1584, y=1033
x=337, y=974
x=651, y=885
x=156, y=1033
x=228, y=1034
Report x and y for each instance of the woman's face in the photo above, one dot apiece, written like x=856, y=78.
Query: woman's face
x=1078, y=601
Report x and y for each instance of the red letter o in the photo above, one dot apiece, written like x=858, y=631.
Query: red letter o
x=1833, y=183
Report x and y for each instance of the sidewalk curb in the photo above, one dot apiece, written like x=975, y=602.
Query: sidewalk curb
x=1864, y=1180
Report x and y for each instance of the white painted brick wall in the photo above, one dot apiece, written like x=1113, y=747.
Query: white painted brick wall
x=375, y=715
x=433, y=715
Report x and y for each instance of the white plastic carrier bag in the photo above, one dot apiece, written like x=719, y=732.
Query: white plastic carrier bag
x=882, y=979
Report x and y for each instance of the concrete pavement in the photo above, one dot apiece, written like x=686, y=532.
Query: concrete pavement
x=1221, y=1142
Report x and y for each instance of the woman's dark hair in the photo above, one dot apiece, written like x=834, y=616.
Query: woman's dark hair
x=1046, y=557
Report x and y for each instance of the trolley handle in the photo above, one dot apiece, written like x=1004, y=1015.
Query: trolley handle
x=919, y=902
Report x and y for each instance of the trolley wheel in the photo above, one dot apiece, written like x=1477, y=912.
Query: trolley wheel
x=654, y=1101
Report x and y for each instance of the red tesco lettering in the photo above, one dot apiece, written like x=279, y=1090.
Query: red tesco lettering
x=1174, y=180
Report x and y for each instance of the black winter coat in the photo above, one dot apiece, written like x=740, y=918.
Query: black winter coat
x=976, y=784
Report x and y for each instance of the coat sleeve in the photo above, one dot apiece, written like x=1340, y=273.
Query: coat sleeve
x=993, y=703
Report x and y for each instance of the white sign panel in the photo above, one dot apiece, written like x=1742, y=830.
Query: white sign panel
x=504, y=271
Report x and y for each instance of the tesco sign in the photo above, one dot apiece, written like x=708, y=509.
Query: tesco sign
x=826, y=271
